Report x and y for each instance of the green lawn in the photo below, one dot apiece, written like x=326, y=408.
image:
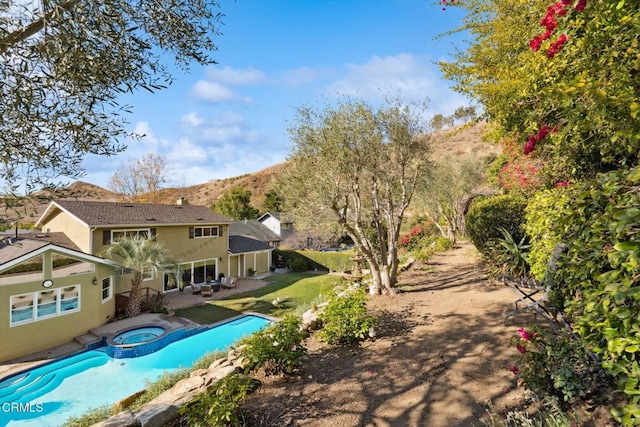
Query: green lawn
x=294, y=290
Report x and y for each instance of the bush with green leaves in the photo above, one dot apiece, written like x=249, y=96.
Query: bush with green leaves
x=509, y=256
x=554, y=364
x=220, y=406
x=278, y=348
x=307, y=260
x=345, y=319
x=487, y=217
x=599, y=276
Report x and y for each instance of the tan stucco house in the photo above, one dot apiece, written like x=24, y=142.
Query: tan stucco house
x=50, y=292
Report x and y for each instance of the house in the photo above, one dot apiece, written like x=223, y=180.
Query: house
x=251, y=246
x=279, y=223
x=194, y=235
x=50, y=292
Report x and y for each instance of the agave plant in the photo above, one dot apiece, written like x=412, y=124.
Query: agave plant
x=510, y=257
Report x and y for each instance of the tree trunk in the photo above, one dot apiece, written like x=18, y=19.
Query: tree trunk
x=135, y=300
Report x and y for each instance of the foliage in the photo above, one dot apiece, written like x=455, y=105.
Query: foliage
x=158, y=303
x=451, y=179
x=273, y=201
x=514, y=171
x=220, y=406
x=418, y=235
x=358, y=166
x=141, y=255
x=66, y=63
x=509, y=256
x=139, y=180
x=278, y=348
x=425, y=252
x=570, y=95
x=549, y=415
x=554, y=364
x=307, y=260
x=90, y=417
x=439, y=122
x=346, y=320
x=599, y=276
x=487, y=217
x=236, y=204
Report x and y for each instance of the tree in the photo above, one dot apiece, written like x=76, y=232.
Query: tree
x=273, y=201
x=563, y=83
x=359, y=166
x=236, y=204
x=63, y=65
x=441, y=197
x=142, y=256
x=465, y=114
x=439, y=122
x=139, y=180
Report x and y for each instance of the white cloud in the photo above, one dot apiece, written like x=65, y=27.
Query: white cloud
x=214, y=92
x=298, y=76
x=192, y=119
x=232, y=77
x=411, y=77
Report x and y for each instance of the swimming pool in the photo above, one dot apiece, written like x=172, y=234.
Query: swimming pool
x=50, y=394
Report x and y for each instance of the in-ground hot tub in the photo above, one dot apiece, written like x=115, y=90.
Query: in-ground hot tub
x=137, y=341
x=138, y=335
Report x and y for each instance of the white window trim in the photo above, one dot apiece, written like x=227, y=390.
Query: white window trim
x=125, y=231
x=110, y=289
x=34, y=297
x=201, y=228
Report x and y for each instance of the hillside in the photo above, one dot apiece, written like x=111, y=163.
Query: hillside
x=456, y=141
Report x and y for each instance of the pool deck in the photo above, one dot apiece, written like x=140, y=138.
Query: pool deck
x=175, y=300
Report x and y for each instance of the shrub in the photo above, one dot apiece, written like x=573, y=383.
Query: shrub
x=333, y=261
x=553, y=364
x=346, y=320
x=486, y=217
x=299, y=265
x=509, y=256
x=278, y=348
x=90, y=417
x=420, y=235
x=220, y=406
x=599, y=275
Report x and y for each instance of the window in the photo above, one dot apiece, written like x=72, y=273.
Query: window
x=107, y=289
x=143, y=233
x=196, y=272
x=63, y=266
x=34, y=306
x=286, y=225
x=30, y=270
x=200, y=232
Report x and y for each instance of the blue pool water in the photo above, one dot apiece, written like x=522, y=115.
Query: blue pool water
x=138, y=335
x=50, y=394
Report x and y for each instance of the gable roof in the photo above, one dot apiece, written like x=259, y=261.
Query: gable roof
x=15, y=250
x=277, y=215
x=242, y=244
x=110, y=214
x=253, y=228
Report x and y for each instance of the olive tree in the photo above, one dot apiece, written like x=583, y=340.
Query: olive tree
x=358, y=165
x=63, y=65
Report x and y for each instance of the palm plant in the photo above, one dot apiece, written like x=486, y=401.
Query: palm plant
x=141, y=255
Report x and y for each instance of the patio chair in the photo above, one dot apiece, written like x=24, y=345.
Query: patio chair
x=228, y=282
x=532, y=294
x=207, y=290
x=196, y=288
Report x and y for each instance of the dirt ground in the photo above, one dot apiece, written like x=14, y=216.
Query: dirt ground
x=440, y=353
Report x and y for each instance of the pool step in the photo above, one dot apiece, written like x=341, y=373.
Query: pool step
x=87, y=339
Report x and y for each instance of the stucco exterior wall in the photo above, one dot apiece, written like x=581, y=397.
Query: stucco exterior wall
x=78, y=232
x=39, y=335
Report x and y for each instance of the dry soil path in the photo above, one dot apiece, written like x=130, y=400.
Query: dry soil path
x=441, y=352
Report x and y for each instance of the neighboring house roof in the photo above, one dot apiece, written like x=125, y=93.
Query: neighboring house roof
x=15, y=250
x=277, y=215
x=253, y=228
x=242, y=244
x=110, y=214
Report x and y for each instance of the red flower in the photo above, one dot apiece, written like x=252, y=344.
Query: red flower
x=581, y=4
x=535, y=43
x=515, y=370
x=524, y=334
x=530, y=145
x=562, y=184
x=521, y=348
x=556, y=46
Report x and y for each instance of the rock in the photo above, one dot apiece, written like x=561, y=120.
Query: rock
x=123, y=404
x=122, y=419
x=157, y=415
x=199, y=373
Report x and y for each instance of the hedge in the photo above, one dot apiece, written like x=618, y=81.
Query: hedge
x=309, y=260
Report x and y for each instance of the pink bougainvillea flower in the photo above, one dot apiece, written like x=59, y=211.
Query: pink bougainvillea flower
x=524, y=334
x=562, y=184
x=556, y=46
x=535, y=43
x=521, y=348
x=581, y=4
x=515, y=370
x=530, y=145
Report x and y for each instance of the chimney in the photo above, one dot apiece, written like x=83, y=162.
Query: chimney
x=182, y=201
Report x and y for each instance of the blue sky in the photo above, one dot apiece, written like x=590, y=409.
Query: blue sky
x=229, y=119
